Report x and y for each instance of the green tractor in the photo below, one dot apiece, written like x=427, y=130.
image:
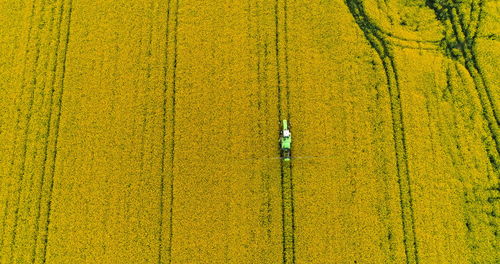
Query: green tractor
x=285, y=141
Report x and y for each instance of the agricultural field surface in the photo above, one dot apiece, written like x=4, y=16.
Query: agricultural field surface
x=148, y=131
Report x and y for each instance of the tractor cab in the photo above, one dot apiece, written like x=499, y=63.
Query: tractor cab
x=285, y=141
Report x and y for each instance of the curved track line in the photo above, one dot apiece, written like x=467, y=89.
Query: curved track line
x=380, y=45
x=460, y=38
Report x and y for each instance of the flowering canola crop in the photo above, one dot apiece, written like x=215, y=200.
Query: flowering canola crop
x=147, y=131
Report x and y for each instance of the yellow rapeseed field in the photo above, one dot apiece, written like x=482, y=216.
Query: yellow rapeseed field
x=147, y=131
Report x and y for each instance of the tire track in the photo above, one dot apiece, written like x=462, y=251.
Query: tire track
x=146, y=90
x=48, y=130
x=459, y=43
x=390, y=37
x=382, y=169
x=4, y=217
x=265, y=208
x=19, y=99
x=479, y=215
x=172, y=155
x=474, y=6
x=282, y=176
x=164, y=128
x=58, y=106
x=381, y=46
x=418, y=47
x=287, y=212
x=278, y=76
x=40, y=111
x=32, y=84
x=393, y=36
x=457, y=156
x=169, y=71
x=289, y=181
